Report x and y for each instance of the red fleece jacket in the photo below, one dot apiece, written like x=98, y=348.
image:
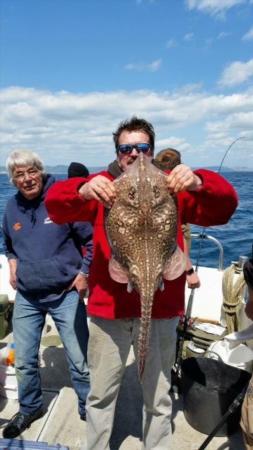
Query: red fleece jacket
x=213, y=204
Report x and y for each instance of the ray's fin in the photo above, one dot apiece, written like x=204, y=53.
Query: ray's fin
x=175, y=266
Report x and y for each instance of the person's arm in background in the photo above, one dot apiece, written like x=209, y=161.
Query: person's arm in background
x=83, y=237
x=249, y=306
x=13, y=270
x=192, y=277
x=9, y=253
x=246, y=421
x=248, y=275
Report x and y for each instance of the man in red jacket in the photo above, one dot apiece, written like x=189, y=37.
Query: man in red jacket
x=204, y=198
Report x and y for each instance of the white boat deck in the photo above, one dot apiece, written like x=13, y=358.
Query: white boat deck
x=61, y=423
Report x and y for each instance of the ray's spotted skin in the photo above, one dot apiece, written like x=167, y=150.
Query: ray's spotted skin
x=142, y=230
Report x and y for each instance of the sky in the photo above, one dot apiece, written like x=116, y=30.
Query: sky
x=71, y=70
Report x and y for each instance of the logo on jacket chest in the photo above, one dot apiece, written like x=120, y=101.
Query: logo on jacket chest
x=17, y=226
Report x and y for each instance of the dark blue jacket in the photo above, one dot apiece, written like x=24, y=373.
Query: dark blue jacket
x=49, y=256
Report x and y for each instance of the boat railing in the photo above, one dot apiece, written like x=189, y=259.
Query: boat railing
x=205, y=236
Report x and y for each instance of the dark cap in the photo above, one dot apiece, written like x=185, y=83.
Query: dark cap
x=77, y=169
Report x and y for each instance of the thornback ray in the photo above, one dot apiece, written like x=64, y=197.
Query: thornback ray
x=142, y=231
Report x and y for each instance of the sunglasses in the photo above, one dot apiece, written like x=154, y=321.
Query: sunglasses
x=126, y=149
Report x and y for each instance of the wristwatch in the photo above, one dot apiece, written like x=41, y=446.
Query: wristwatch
x=190, y=271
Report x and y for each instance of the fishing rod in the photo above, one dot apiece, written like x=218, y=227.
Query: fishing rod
x=202, y=233
x=187, y=316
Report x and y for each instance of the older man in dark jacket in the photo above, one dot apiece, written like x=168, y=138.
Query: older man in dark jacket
x=50, y=274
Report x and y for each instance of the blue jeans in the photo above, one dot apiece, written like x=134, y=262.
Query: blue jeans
x=69, y=315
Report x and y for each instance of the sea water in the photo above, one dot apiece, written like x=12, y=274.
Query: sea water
x=236, y=236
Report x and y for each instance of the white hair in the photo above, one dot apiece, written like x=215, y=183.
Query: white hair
x=23, y=158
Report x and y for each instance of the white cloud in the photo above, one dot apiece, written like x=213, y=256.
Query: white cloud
x=213, y=7
x=64, y=126
x=188, y=37
x=171, y=43
x=219, y=37
x=220, y=134
x=236, y=73
x=173, y=142
x=223, y=35
x=249, y=35
x=154, y=66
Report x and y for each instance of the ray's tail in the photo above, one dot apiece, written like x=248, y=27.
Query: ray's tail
x=144, y=333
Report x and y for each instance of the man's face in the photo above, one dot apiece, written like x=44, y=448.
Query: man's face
x=28, y=180
x=132, y=137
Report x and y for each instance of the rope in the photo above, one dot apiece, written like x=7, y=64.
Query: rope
x=232, y=296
